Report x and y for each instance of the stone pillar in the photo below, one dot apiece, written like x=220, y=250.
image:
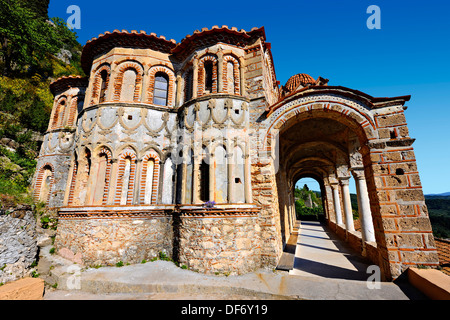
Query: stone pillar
x=219, y=71
x=179, y=90
x=195, y=78
x=242, y=75
x=212, y=178
x=230, y=160
x=337, y=202
x=196, y=180
x=248, y=179
x=367, y=230
x=347, y=204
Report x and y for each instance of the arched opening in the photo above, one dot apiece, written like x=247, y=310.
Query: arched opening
x=103, y=86
x=161, y=89
x=308, y=199
x=46, y=181
x=230, y=77
x=188, y=85
x=208, y=76
x=323, y=150
x=204, y=181
x=128, y=85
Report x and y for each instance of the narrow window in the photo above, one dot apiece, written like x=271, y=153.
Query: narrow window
x=161, y=89
x=230, y=77
x=104, y=84
x=129, y=85
x=208, y=76
x=46, y=184
x=188, y=86
x=125, y=181
x=149, y=181
x=204, y=181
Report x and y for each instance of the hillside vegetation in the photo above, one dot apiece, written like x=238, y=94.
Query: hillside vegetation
x=35, y=50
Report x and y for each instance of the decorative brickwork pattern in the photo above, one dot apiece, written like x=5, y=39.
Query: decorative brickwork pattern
x=236, y=74
x=40, y=180
x=202, y=74
x=125, y=179
x=128, y=65
x=171, y=85
x=145, y=175
x=98, y=83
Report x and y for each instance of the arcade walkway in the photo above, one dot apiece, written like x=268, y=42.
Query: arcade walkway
x=320, y=253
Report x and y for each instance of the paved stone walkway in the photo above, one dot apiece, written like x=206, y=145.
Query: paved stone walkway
x=320, y=253
x=324, y=269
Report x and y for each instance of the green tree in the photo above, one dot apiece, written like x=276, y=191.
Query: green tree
x=26, y=38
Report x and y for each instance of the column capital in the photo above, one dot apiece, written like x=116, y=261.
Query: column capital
x=344, y=181
x=358, y=174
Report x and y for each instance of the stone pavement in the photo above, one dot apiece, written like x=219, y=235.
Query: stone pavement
x=324, y=269
x=320, y=253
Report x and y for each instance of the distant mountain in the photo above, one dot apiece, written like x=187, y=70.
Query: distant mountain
x=445, y=194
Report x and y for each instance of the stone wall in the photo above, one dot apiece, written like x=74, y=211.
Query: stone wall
x=18, y=243
x=106, y=241
x=219, y=245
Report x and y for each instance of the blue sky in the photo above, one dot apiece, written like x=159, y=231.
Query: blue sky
x=409, y=55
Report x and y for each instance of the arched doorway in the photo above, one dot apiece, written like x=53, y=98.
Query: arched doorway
x=336, y=133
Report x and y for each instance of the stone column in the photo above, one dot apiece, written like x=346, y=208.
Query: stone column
x=196, y=181
x=347, y=204
x=337, y=202
x=219, y=71
x=242, y=76
x=195, y=78
x=367, y=230
x=212, y=178
x=179, y=89
x=230, y=164
x=248, y=179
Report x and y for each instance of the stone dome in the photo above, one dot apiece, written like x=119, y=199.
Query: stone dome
x=299, y=79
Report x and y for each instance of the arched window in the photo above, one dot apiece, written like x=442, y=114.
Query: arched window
x=204, y=181
x=125, y=178
x=208, y=76
x=188, y=85
x=125, y=181
x=58, y=117
x=221, y=174
x=128, y=85
x=238, y=175
x=103, y=86
x=230, y=77
x=46, y=179
x=161, y=89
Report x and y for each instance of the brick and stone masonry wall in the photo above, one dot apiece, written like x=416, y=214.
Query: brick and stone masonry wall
x=219, y=245
x=106, y=241
x=401, y=221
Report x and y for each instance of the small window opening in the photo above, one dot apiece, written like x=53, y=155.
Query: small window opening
x=237, y=180
x=161, y=89
x=393, y=134
x=130, y=117
x=208, y=76
x=204, y=181
x=399, y=172
x=104, y=77
x=236, y=111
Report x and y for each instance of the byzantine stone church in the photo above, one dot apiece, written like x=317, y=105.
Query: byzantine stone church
x=193, y=148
